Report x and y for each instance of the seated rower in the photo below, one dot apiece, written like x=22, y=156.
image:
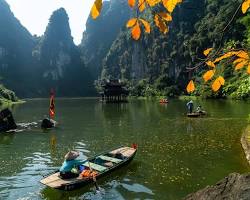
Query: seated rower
x=198, y=109
x=67, y=169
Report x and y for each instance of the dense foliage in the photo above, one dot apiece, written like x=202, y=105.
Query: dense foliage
x=101, y=33
x=158, y=63
x=7, y=95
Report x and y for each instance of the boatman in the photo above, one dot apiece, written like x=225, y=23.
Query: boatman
x=198, y=109
x=190, y=106
x=70, y=163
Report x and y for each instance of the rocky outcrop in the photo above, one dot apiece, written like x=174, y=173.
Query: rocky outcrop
x=31, y=65
x=102, y=32
x=16, y=45
x=245, y=142
x=60, y=60
x=233, y=187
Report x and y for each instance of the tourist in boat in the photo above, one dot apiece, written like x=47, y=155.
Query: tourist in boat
x=70, y=165
x=198, y=109
x=190, y=106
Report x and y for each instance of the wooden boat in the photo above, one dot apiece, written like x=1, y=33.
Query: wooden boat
x=203, y=112
x=196, y=114
x=100, y=165
x=163, y=101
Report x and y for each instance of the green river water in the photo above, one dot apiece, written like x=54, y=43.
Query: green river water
x=176, y=155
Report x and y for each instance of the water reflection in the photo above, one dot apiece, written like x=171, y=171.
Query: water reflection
x=37, y=164
x=119, y=190
x=176, y=155
x=6, y=138
x=53, y=147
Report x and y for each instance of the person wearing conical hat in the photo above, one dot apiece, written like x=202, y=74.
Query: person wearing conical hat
x=69, y=163
x=190, y=106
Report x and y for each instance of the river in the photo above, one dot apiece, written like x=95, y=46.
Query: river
x=176, y=155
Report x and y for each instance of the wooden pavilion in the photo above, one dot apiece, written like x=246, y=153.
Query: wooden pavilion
x=113, y=91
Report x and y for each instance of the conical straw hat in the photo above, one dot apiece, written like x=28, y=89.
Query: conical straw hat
x=71, y=155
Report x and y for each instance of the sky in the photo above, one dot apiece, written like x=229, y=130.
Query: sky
x=34, y=14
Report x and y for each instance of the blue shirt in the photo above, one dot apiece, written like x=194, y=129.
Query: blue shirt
x=68, y=165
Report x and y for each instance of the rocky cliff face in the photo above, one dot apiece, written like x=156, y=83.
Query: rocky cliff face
x=32, y=65
x=159, y=62
x=61, y=64
x=16, y=45
x=234, y=186
x=101, y=33
x=155, y=57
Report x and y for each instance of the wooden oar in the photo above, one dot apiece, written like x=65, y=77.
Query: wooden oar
x=94, y=178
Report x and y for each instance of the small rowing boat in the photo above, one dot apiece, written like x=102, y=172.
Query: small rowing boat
x=163, y=101
x=196, y=114
x=99, y=165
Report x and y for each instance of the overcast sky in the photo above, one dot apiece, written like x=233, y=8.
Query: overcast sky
x=34, y=14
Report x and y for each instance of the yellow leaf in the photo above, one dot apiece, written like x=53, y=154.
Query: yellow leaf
x=146, y=25
x=131, y=3
x=141, y=5
x=222, y=80
x=160, y=24
x=242, y=54
x=170, y=4
x=190, y=87
x=239, y=60
x=241, y=65
x=131, y=22
x=226, y=55
x=96, y=9
x=136, y=32
x=208, y=75
x=218, y=83
x=248, y=69
x=210, y=64
x=245, y=6
x=207, y=51
x=152, y=3
x=167, y=17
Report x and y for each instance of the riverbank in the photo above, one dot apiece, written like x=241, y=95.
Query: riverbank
x=183, y=97
x=8, y=97
x=5, y=102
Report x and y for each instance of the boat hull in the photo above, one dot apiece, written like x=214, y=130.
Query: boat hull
x=76, y=183
x=196, y=114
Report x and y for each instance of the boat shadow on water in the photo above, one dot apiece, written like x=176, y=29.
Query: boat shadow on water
x=111, y=185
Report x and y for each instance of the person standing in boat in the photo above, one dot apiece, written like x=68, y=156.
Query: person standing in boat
x=70, y=165
x=190, y=106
